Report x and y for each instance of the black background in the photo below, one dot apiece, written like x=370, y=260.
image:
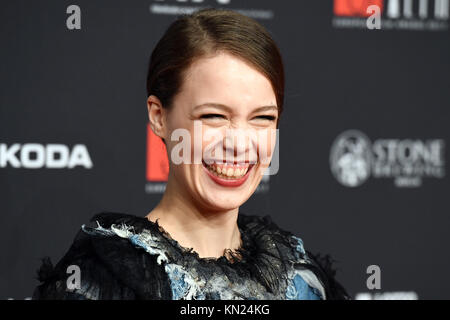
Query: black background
x=88, y=86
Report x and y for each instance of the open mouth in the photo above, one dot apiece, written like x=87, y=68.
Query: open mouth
x=230, y=175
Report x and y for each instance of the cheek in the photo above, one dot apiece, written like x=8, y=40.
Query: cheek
x=184, y=146
x=267, y=140
x=211, y=145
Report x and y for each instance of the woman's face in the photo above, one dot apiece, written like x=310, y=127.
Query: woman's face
x=221, y=93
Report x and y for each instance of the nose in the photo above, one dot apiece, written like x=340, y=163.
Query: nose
x=239, y=145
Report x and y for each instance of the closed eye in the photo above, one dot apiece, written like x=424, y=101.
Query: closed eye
x=270, y=118
x=211, y=115
x=216, y=115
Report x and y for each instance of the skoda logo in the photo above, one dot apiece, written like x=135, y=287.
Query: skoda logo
x=351, y=158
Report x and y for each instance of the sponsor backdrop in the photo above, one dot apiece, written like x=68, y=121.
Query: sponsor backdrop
x=363, y=140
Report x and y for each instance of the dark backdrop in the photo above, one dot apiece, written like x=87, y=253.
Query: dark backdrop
x=87, y=87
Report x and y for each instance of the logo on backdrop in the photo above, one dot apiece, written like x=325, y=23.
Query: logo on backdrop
x=351, y=158
x=49, y=156
x=178, y=7
x=430, y=15
x=354, y=159
x=157, y=166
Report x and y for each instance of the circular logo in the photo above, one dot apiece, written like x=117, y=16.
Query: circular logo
x=351, y=158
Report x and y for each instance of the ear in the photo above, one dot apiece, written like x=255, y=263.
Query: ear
x=156, y=116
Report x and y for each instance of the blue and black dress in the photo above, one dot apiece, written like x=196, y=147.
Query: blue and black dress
x=122, y=256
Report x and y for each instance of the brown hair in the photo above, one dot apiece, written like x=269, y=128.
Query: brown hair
x=206, y=32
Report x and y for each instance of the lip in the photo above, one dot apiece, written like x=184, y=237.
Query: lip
x=229, y=182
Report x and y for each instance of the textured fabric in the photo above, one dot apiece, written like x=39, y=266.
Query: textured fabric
x=122, y=256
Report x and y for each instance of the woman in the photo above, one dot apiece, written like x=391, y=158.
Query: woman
x=212, y=72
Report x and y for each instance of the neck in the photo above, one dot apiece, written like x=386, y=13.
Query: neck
x=208, y=232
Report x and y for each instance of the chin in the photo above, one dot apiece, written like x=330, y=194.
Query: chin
x=220, y=203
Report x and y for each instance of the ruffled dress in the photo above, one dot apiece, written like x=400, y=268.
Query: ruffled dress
x=122, y=256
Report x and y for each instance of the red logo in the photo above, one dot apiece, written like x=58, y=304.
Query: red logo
x=157, y=161
x=355, y=8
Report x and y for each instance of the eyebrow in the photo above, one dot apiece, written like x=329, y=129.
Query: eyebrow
x=229, y=109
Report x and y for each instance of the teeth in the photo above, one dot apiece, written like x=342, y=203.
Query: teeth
x=229, y=173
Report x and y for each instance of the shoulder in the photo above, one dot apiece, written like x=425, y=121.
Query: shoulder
x=108, y=266
x=310, y=276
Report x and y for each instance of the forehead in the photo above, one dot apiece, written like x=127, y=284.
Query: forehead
x=226, y=79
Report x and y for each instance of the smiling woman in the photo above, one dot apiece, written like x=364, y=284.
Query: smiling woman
x=222, y=72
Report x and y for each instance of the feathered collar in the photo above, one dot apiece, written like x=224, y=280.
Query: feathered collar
x=262, y=268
